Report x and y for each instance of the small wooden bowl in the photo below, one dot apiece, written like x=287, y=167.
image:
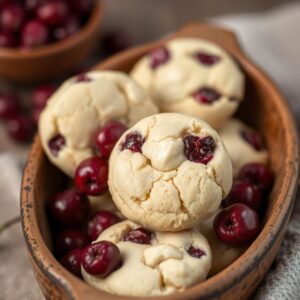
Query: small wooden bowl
x=51, y=61
x=264, y=108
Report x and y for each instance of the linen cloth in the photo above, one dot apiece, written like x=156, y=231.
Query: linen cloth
x=272, y=40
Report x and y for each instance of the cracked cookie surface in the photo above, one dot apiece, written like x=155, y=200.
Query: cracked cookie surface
x=197, y=78
x=162, y=267
x=158, y=186
x=240, y=150
x=78, y=108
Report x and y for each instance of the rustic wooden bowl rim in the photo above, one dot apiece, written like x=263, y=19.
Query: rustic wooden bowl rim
x=233, y=273
x=59, y=46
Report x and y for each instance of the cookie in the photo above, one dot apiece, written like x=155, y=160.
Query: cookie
x=82, y=105
x=169, y=172
x=222, y=255
x=192, y=76
x=243, y=143
x=153, y=263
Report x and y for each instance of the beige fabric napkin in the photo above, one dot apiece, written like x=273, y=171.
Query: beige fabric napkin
x=272, y=39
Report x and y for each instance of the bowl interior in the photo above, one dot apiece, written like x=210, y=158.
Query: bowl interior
x=263, y=109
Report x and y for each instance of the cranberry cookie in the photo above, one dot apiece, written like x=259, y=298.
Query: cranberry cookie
x=194, y=77
x=244, y=144
x=152, y=263
x=81, y=106
x=169, y=172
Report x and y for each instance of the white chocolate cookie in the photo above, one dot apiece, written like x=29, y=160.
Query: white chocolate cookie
x=78, y=108
x=222, y=255
x=169, y=172
x=244, y=145
x=170, y=262
x=192, y=76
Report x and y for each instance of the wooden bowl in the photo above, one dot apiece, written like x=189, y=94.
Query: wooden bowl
x=53, y=60
x=264, y=108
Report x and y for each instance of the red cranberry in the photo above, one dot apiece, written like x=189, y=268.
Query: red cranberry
x=91, y=176
x=139, y=236
x=70, y=26
x=133, y=141
x=72, y=262
x=206, y=95
x=100, y=221
x=82, y=78
x=20, y=128
x=70, y=239
x=41, y=94
x=195, y=252
x=70, y=207
x=7, y=40
x=32, y=5
x=243, y=192
x=253, y=138
x=158, y=57
x=115, y=41
x=199, y=149
x=56, y=144
x=207, y=59
x=9, y=105
x=101, y=258
x=237, y=225
x=81, y=7
x=12, y=17
x=107, y=136
x=257, y=174
x=52, y=12
x=34, y=34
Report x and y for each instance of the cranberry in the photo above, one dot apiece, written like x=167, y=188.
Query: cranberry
x=237, y=225
x=101, y=258
x=52, y=12
x=100, y=221
x=158, y=57
x=253, y=138
x=199, y=149
x=244, y=192
x=32, y=5
x=34, y=34
x=70, y=207
x=7, y=40
x=257, y=174
x=91, y=176
x=195, y=252
x=115, y=41
x=56, y=144
x=206, y=95
x=70, y=26
x=81, y=7
x=139, y=236
x=9, y=105
x=41, y=94
x=82, y=78
x=133, y=141
x=207, y=59
x=12, y=17
x=70, y=239
x=107, y=136
x=72, y=262
x=20, y=128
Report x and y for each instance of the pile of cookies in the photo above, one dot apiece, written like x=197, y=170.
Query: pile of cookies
x=168, y=188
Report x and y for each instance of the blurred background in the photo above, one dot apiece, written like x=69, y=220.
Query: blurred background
x=146, y=20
